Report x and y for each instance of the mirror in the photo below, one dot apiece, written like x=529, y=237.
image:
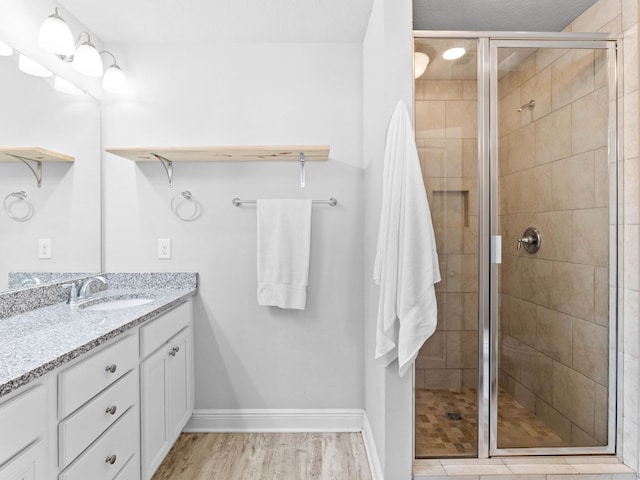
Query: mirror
x=62, y=219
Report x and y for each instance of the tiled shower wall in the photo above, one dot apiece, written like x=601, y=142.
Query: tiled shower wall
x=446, y=135
x=553, y=171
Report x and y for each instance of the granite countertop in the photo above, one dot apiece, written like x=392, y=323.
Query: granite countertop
x=38, y=341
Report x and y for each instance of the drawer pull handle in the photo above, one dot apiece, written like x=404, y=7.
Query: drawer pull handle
x=177, y=349
x=111, y=459
x=111, y=410
x=111, y=368
x=173, y=351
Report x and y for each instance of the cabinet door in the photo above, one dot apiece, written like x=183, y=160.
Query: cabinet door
x=29, y=465
x=154, y=388
x=180, y=382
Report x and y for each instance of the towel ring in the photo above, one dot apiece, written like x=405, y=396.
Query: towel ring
x=18, y=197
x=186, y=198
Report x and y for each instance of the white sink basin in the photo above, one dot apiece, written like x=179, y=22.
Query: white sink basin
x=117, y=304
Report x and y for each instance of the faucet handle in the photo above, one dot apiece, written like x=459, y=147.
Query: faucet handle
x=73, y=292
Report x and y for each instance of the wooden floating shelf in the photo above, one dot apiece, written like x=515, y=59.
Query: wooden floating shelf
x=224, y=154
x=32, y=157
x=37, y=154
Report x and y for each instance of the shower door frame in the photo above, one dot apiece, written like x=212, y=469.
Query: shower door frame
x=488, y=42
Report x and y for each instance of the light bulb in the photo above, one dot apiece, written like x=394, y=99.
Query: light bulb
x=5, y=50
x=420, y=64
x=114, y=80
x=453, y=53
x=55, y=35
x=66, y=86
x=87, y=60
x=32, y=67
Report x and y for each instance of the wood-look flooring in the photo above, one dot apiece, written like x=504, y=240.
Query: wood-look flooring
x=266, y=456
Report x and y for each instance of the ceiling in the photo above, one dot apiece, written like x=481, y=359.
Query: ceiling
x=497, y=15
x=300, y=21
x=189, y=21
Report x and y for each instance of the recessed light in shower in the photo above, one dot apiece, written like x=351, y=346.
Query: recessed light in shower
x=453, y=53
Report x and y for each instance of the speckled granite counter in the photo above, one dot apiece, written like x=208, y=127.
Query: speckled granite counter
x=38, y=341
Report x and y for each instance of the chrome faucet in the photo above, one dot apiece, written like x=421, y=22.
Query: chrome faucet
x=83, y=292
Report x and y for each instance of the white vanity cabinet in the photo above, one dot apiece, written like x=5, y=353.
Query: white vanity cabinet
x=23, y=436
x=166, y=384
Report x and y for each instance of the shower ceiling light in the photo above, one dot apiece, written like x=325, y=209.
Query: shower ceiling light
x=55, y=36
x=32, y=67
x=453, y=53
x=5, y=50
x=87, y=60
x=420, y=64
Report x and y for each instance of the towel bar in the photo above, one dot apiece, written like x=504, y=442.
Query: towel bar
x=332, y=202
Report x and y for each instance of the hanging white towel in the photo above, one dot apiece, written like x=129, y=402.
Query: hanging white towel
x=284, y=239
x=406, y=265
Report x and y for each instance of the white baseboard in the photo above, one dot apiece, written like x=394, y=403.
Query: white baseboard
x=283, y=420
x=372, y=451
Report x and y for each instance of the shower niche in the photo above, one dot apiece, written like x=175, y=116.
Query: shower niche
x=512, y=134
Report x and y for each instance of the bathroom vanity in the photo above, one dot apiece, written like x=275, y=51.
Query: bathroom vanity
x=98, y=391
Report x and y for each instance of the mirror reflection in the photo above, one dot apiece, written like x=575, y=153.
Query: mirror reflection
x=50, y=131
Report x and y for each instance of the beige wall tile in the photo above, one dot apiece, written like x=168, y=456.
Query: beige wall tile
x=511, y=275
x=573, y=290
x=546, y=56
x=442, y=379
x=538, y=88
x=535, y=189
x=629, y=13
x=462, y=349
x=554, y=419
x=590, y=121
x=601, y=68
x=470, y=237
x=536, y=278
x=630, y=59
x=443, y=89
x=572, y=77
x=630, y=443
x=630, y=125
x=553, y=334
x=462, y=119
x=580, y=438
x=469, y=157
x=538, y=374
x=418, y=89
x=597, y=15
x=521, y=316
x=522, y=150
x=441, y=158
x=591, y=236
x=555, y=228
x=601, y=419
x=470, y=321
x=602, y=177
x=430, y=119
x=419, y=376
x=470, y=378
x=553, y=136
x=433, y=353
x=470, y=89
x=630, y=374
x=451, y=307
x=572, y=182
x=601, y=286
x=508, y=115
x=631, y=195
x=574, y=396
x=591, y=350
x=631, y=342
x=631, y=273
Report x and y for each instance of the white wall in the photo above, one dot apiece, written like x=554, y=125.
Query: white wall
x=387, y=70
x=248, y=94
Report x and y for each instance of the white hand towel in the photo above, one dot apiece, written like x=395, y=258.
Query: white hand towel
x=284, y=239
x=406, y=265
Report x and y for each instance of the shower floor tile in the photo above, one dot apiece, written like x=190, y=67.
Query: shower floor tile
x=447, y=424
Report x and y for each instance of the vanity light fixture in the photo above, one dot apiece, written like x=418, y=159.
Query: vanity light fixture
x=66, y=86
x=32, y=67
x=453, y=53
x=87, y=60
x=420, y=64
x=5, y=50
x=114, y=80
x=55, y=35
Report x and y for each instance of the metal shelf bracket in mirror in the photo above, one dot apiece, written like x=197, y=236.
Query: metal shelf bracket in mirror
x=37, y=171
x=302, y=173
x=168, y=167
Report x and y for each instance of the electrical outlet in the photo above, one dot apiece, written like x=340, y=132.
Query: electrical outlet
x=164, y=248
x=44, y=248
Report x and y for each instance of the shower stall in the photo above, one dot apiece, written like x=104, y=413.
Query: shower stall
x=517, y=137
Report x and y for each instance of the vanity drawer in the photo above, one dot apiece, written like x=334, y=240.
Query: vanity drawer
x=83, y=381
x=83, y=427
x=24, y=417
x=119, y=444
x=131, y=471
x=159, y=331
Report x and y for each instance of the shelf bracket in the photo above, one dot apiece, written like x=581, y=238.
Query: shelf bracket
x=37, y=171
x=168, y=166
x=302, y=174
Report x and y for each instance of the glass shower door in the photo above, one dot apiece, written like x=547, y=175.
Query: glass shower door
x=553, y=174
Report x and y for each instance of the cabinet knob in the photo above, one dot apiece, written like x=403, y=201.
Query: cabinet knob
x=111, y=368
x=111, y=410
x=177, y=349
x=172, y=353
x=111, y=459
